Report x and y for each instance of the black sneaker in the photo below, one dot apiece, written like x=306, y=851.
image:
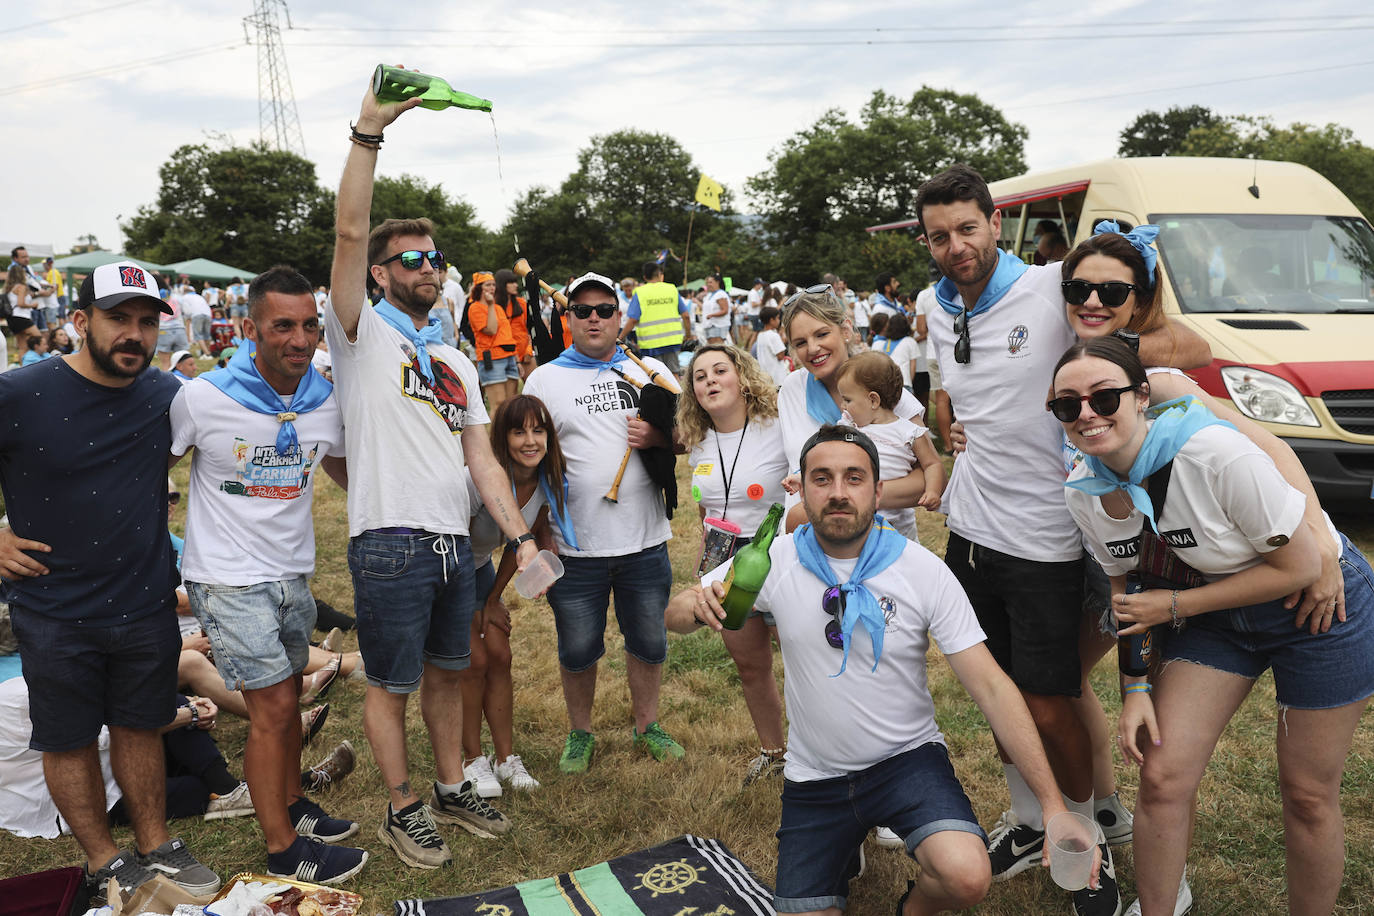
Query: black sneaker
x=1106, y=900
x=1013, y=847
x=175, y=861
x=468, y=810
x=124, y=868
x=411, y=833
x=310, y=820
x=308, y=859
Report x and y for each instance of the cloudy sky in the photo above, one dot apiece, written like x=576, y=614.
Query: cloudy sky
x=100, y=92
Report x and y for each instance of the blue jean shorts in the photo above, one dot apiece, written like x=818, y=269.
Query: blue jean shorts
x=82, y=676
x=640, y=582
x=260, y=633
x=170, y=340
x=238, y=311
x=504, y=369
x=824, y=822
x=413, y=597
x=1324, y=671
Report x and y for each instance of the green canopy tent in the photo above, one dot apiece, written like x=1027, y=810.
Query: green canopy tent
x=88, y=261
x=206, y=269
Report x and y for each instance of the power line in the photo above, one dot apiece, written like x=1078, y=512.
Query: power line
x=90, y=12
x=51, y=81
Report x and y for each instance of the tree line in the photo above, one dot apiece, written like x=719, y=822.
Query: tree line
x=630, y=196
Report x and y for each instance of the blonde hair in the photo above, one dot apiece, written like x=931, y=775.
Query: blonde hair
x=826, y=307
x=759, y=392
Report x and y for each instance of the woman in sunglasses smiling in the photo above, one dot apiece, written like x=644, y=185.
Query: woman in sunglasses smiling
x=1229, y=515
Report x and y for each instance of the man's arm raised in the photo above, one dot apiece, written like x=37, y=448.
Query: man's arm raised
x=347, y=280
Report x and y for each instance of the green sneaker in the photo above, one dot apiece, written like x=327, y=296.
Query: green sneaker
x=658, y=742
x=577, y=752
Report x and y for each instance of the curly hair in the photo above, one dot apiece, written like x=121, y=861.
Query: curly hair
x=759, y=391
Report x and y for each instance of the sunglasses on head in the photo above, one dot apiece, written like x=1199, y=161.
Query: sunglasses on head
x=602, y=309
x=1112, y=294
x=963, y=348
x=813, y=290
x=832, y=602
x=411, y=260
x=1104, y=402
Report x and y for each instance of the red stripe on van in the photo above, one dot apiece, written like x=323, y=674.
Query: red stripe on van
x=1311, y=379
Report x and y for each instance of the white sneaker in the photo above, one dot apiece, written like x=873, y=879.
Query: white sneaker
x=479, y=773
x=512, y=772
x=885, y=837
x=1182, y=904
x=237, y=803
x=1118, y=824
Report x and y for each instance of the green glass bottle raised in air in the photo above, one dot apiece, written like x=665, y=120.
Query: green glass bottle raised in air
x=748, y=570
x=396, y=84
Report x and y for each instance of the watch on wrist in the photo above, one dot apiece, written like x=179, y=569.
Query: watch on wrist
x=515, y=542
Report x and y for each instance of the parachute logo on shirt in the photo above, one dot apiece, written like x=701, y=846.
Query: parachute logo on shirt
x=262, y=471
x=608, y=397
x=1017, y=339
x=447, y=397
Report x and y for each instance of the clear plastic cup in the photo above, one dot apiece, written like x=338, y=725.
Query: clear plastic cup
x=539, y=575
x=1072, y=838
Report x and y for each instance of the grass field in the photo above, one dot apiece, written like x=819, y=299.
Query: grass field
x=627, y=801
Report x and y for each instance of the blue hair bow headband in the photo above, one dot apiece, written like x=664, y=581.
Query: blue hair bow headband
x=1140, y=238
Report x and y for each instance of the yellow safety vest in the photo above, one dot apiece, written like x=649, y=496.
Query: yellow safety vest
x=659, y=325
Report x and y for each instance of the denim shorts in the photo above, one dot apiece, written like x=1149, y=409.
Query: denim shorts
x=200, y=327
x=640, y=581
x=238, y=311
x=1029, y=610
x=484, y=578
x=504, y=369
x=260, y=633
x=413, y=597
x=1324, y=671
x=82, y=677
x=824, y=822
x=170, y=340
x=1097, y=596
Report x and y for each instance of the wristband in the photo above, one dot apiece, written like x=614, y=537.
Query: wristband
x=1135, y=688
x=515, y=542
x=195, y=716
x=1173, y=612
x=371, y=141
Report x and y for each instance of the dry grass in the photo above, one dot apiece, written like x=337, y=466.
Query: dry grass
x=627, y=801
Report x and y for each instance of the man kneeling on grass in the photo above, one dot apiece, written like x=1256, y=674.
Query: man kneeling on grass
x=863, y=748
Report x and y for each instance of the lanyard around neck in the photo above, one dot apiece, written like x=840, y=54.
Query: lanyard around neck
x=725, y=513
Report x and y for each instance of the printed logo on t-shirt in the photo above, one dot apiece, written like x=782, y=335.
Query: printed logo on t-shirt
x=1126, y=549
x=447, y=396
x=260, y=470
x=1179, y=537
x=889, y=608
x=608, y=397
x=1016, y=340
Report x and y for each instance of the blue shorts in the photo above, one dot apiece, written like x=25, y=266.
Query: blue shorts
x=641, y=582
x=83, y=677
x=485, y=578
x=170, y=340
x=260, y=633
x=413, y=597
x=502, y=370
x=824, y=822
x=1324, y=671
x=238, y=311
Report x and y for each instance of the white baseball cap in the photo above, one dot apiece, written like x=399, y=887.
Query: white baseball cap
x=590, y=279
x=110, y=284
x=178, y=356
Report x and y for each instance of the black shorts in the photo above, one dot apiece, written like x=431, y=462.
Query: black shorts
x=1030, y=612
x=920, y=386
x=19, y=325
x=83, y=677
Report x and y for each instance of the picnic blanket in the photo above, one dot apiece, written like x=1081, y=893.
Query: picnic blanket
x=687, y=876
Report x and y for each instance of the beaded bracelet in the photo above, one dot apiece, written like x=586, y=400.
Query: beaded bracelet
x=1135, y=688
x=373, y=141
x=195, y=716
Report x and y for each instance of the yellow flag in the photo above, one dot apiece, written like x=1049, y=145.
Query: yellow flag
x=708, y=193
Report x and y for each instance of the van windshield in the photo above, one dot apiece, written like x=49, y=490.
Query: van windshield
x=1268, y=263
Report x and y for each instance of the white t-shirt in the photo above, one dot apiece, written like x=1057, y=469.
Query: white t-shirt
x=756, y=482
x=211, y=295
x=713, y=303
x=798, y=425
x=837, y=725
x=862, y=311
x=405, y=448
x=484, y=535
x=453, y=292
x=881, y=305
x=1225, y=504
x=321, y=360
x=591, y=409
x=923, y=304
x=769, y=345
x=896, y=459
x=905, y=352
x=194, y=304
x=248, y=509
x=753, y=302
x=237, y=294
x=1005, y=490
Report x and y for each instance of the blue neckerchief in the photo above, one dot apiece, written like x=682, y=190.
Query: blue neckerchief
x=241, y=380
x=1174, y=423
x=1140, y=238
x=177, y=372
x=560, y=519
x=571, y=358
x=819, y=404
x=886, y=302
x=431, y=333
x=1009, y=270
x=882, y=548
x=882, y=345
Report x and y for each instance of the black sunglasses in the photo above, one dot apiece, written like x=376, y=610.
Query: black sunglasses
x=411, y=260
x=1104, y=403
x=832, y=602
x=603, y=310
x=963, y=348
x=813, y=290
x=1112, y=294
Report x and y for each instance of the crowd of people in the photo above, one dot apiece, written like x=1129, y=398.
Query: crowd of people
x=461, y=423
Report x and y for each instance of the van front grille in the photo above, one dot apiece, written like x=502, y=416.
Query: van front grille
x=1353, y=410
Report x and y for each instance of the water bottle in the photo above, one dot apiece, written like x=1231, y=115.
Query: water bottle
x=1134, y=652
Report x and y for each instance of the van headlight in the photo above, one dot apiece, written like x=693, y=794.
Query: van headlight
x=1261, y=396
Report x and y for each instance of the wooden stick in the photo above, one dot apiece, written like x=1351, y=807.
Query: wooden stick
x=522, y=267
x=667, y=382
x=614, y=492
